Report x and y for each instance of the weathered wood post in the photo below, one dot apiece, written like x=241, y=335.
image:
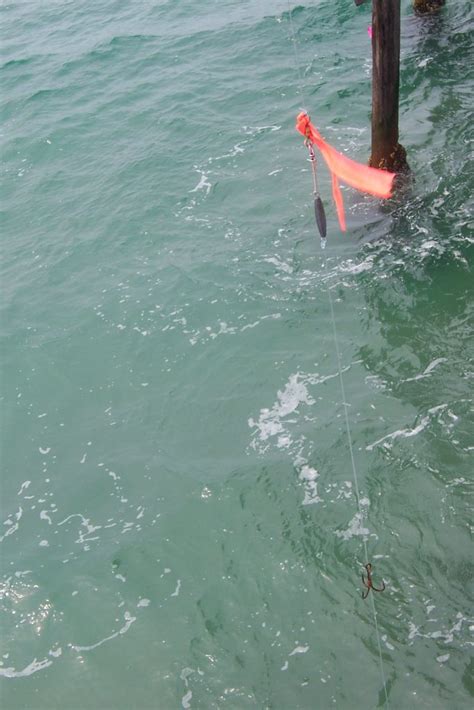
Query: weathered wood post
x=386, y=150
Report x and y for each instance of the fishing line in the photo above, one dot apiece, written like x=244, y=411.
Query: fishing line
x=341, y=384
x=296, y=53
x=356, y=479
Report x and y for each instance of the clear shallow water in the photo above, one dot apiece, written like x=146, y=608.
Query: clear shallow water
x=180, y=528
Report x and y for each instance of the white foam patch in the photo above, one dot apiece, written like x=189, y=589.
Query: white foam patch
x=203, y=183
x=14, y=525
x=186, y=700
x=447, y=635
x=273, y=427
x=255, y=130
x=224, y=329
x=235, y=150
x=407, y=433
x=299, y=649
x=211, y=333
x=354, y=529
x=84, y=523
x=184, y=675
x=429, y=245
x=349, y=267
x=428, y=370
x=283, y=266
x=387, y=643
x=23, y=487
x=33, y=667
x=178, y=587
x=309, y=477
x=434, y=364
x=129, y=619
x=289, y=399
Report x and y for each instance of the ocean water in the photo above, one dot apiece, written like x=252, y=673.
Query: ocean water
x=179, y=522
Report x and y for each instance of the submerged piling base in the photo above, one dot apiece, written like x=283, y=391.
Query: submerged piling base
x=426, y=7
x=395, y=161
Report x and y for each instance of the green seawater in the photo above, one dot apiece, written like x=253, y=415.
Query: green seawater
x=179, y=523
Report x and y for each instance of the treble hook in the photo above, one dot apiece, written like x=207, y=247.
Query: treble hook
x=368, y=582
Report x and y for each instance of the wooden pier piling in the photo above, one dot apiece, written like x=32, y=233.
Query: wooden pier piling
x=387, y=152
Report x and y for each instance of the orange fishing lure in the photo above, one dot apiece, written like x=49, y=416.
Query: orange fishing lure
x=362, y=177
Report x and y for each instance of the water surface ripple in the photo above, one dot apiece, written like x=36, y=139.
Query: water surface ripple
x=179, y=525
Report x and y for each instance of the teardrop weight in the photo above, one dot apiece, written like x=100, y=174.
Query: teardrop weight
x=320, y=215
